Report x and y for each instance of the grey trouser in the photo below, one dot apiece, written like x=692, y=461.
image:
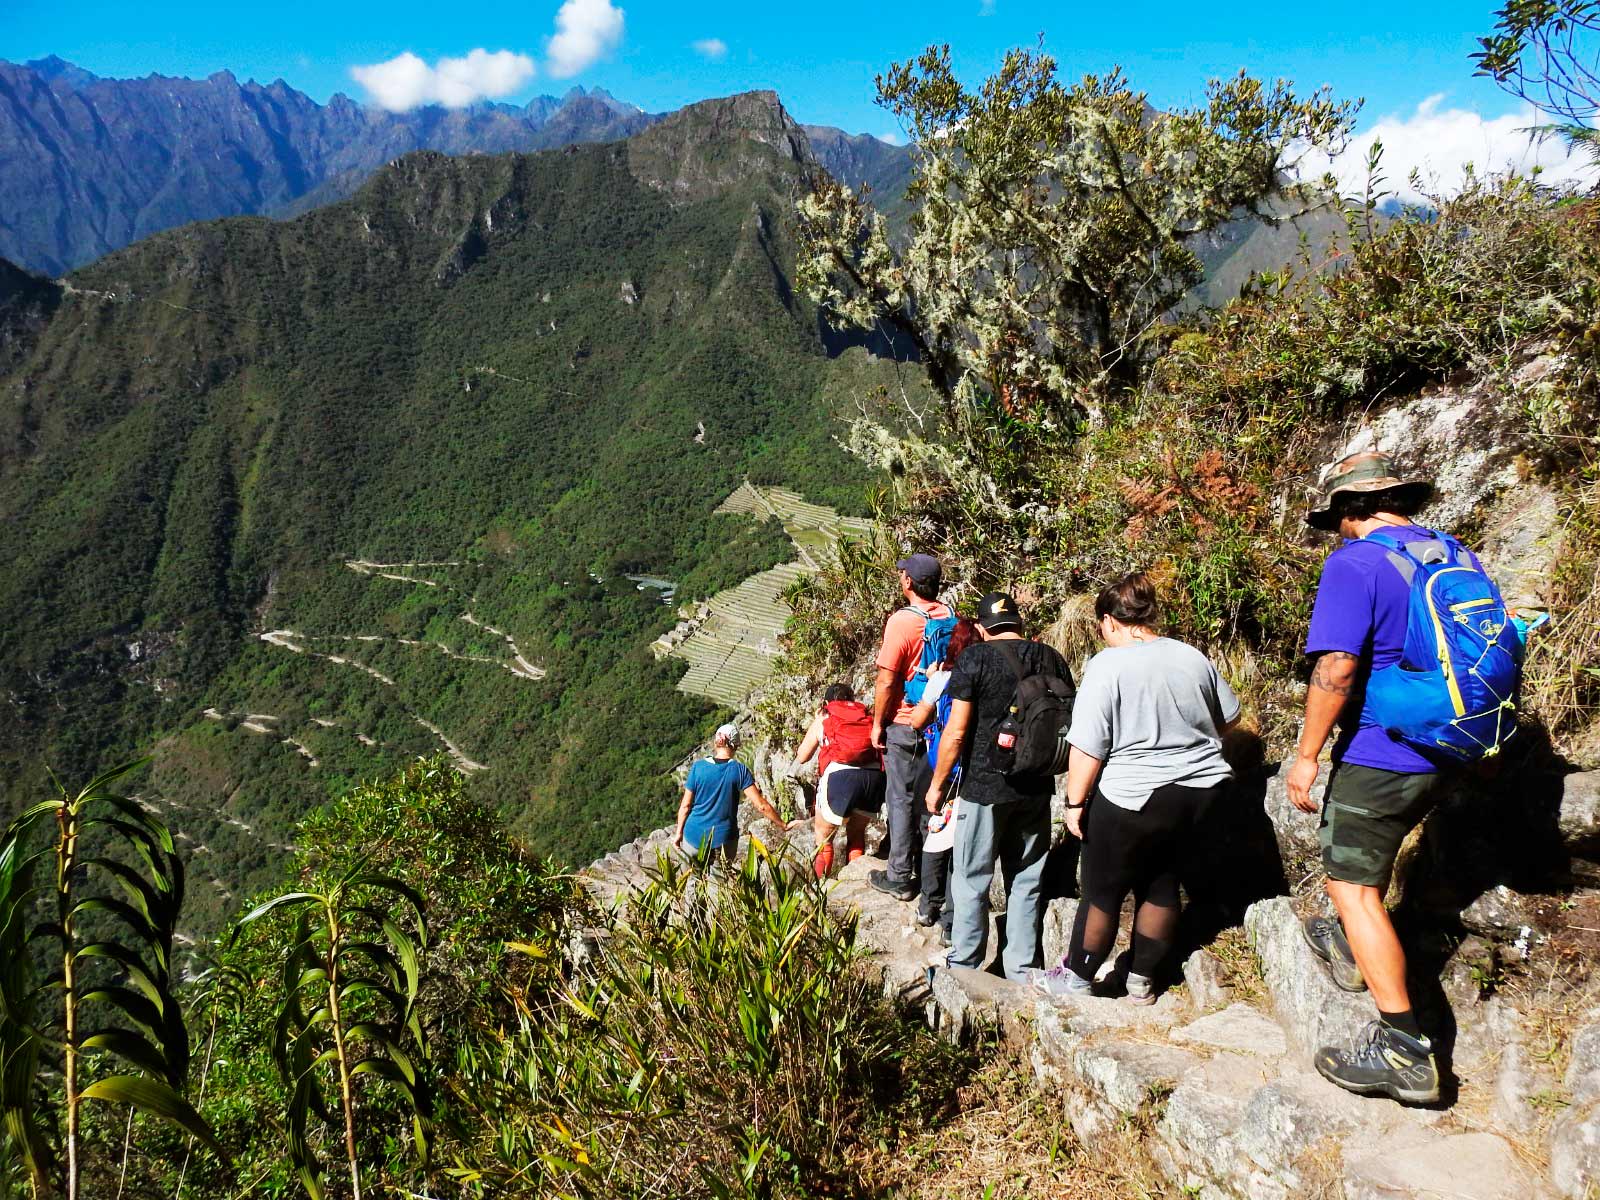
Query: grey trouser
x=1018, y=835
x=902, y=755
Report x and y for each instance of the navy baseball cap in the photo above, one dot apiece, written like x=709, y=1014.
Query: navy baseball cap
x=923, y=568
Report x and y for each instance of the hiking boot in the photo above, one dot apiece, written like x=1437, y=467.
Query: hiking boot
x=823, y=862
x=1140, y=990
x=1326, y=938
x=1060, y=980
x=1383, y=1061
x=889, y=887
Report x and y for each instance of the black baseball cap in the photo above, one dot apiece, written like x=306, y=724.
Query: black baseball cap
x=997, y=612
x=923, y=568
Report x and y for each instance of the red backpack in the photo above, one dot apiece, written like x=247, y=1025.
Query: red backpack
x=847, y=736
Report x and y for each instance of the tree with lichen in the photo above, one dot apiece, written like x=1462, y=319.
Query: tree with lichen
x=1055, y=226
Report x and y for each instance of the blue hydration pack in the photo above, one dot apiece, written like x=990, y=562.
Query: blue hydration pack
x=936, y=633
x=934, y=730
x=1453, y=693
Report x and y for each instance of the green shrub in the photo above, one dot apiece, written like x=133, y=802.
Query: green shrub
x=722, y=1042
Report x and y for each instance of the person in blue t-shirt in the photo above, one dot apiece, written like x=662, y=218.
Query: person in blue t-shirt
x=708, y=817
x=1380, y=788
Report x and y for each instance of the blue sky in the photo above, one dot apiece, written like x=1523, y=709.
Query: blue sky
x=821, y=57
x=1408, y=61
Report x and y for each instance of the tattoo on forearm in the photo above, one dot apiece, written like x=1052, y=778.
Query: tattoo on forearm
x=1331, y=674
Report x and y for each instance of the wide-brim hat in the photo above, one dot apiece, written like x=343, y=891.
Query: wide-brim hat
x=1363, y=473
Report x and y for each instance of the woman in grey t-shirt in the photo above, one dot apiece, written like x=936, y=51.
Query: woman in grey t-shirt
x=1147, y=725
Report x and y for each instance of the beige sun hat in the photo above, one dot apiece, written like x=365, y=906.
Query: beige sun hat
x=1368, y=472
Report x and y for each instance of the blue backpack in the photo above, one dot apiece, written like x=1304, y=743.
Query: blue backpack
x=936, y=633
x=1454, y=689
x=934, y=729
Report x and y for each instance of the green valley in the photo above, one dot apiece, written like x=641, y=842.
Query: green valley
x=293, y=503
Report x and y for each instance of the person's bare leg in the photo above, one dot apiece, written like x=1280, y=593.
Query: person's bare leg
x=1374, y=943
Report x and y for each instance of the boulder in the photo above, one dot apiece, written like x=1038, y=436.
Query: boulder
x=1056, y=935
x=1206, y=980
x=1296, y=831
x=1239, y=1028
x=1311, y=1008
x=1579, y=815
x=1583, y=1066
x=1575, y=1152
x=968, y=1001
x=1501, y=914
x=1463, y=1166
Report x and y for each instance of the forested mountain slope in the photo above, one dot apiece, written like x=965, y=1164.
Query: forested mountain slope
x=416, y=436
x=88, y=165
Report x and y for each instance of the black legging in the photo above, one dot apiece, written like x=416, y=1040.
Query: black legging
x=1139, y=852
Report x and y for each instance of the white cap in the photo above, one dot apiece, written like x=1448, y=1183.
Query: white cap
x=728, y=734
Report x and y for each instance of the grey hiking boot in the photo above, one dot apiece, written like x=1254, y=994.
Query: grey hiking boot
x=1383, y=1061
x=1326, y=938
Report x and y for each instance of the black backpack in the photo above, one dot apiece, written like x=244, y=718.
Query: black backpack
x=1031, y=740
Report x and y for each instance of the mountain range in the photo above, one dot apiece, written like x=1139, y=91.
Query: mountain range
x=293, y=502
x=89, y=165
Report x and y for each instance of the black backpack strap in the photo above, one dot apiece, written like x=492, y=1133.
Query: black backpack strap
x=1008, y=647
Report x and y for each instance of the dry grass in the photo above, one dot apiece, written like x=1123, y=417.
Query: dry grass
x=1562, y=682
x=1241, y=966
x=1009, y=1140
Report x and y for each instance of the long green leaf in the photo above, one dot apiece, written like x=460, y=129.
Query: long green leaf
x=139, y=1051
x=287, y=900
x=159, y=1100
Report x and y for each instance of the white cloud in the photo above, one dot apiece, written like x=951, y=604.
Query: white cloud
x=1438, y=143
x=712, y=48
x=893, y=137
x=586, y=30
x=405, y=81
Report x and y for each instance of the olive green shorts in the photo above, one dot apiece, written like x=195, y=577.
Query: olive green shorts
x=1366, y=814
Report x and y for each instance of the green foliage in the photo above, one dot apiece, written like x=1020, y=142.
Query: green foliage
x=495, y=918
x=92, y=982
x=1547, y=52
x=440, y=368
x=348, y=1009
x=720, y=1042
x=1056, y=226
x=1197, y=473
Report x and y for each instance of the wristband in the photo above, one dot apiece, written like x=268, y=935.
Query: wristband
x=1085, y=804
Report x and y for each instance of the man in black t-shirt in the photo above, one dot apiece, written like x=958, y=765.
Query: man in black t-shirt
x=1001, y=817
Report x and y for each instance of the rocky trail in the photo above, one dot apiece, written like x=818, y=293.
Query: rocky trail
x=1218, y=1073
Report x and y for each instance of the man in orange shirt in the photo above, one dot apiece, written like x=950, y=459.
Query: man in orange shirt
x=899, y=664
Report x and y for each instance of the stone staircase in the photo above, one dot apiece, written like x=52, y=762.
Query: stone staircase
x=1223, y=1083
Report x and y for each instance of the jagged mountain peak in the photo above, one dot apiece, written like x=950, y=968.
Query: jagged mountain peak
x=705, y=147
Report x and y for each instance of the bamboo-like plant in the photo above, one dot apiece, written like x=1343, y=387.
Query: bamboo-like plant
x=350, y=979
x=86, y=974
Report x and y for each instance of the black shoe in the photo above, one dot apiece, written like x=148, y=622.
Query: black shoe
x=900, y=891
x=1326, y=938
x=1383, y=1061
x=944, y=936
x=926, y=918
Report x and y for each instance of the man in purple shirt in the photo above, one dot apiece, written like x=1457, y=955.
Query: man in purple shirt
x=1380, y=788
